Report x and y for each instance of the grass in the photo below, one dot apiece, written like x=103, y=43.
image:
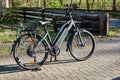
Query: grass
x=113, y=32
x=4, y=50
x=7, y=36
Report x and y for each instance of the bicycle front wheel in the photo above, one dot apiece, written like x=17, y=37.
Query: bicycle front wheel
x=82, y=46
x=27, y=55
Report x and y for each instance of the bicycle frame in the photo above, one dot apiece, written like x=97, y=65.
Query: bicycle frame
x=61, y=34
x=30, y=42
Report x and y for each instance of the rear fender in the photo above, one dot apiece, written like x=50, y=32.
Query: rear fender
x=13, y=45
x=18, y=40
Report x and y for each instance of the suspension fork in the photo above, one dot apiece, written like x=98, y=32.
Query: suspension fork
x=80, y=37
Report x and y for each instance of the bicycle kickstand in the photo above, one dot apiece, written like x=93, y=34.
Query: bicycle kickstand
x=52, y=57
x=55, y=58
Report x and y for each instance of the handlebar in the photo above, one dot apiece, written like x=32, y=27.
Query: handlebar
x=69, y=8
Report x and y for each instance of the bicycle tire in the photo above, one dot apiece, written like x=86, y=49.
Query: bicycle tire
x=22, y=48
x=81, y=51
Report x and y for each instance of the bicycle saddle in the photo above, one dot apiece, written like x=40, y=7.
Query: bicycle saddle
x=44, y=22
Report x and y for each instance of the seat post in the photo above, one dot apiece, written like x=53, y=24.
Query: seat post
x=46, y=32
x=45, y=28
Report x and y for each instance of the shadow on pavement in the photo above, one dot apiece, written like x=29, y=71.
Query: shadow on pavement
x=118, y=78
x=4, y=69
x=60, y=62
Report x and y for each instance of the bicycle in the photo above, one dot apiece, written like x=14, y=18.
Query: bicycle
x=31, y=50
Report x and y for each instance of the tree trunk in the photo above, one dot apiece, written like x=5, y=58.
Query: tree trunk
x=44, y=4
x=103, y=4
x=87, y=5
x=61, y=2
x=12, y=3
x=114, y=5
x=25, y=3
x=0, y=8
x=7, y=3
x=39, y=3
x=71, y=2
x=93, y=1
x=80, y=3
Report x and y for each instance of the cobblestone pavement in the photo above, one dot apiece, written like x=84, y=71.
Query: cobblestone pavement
x=104, y=64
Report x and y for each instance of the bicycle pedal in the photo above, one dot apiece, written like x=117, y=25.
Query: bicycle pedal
x=51, y=59
x=55, y=59
x=36, y=69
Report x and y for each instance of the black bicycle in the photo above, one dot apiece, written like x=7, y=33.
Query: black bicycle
x=31, y=50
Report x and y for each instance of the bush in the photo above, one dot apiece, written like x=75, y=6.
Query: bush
x=9, y=18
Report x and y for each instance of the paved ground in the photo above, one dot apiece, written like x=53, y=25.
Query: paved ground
x=104, y=64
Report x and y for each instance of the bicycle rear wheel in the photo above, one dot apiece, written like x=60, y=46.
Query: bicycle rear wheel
x=82, y=46
x=27, y=55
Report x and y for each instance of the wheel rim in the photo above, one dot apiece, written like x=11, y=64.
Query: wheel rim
x=82, y=51
x=26, y=61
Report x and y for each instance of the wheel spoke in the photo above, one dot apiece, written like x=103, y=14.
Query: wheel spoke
x=82, y=46
x=26, y=56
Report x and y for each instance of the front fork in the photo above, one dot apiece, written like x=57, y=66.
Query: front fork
x=76, y=32
x=80, y=38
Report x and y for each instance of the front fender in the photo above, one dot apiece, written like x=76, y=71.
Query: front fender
x=70, y=40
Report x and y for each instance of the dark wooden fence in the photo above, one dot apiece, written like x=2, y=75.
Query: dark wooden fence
x=93, y=22
x=113, y=13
